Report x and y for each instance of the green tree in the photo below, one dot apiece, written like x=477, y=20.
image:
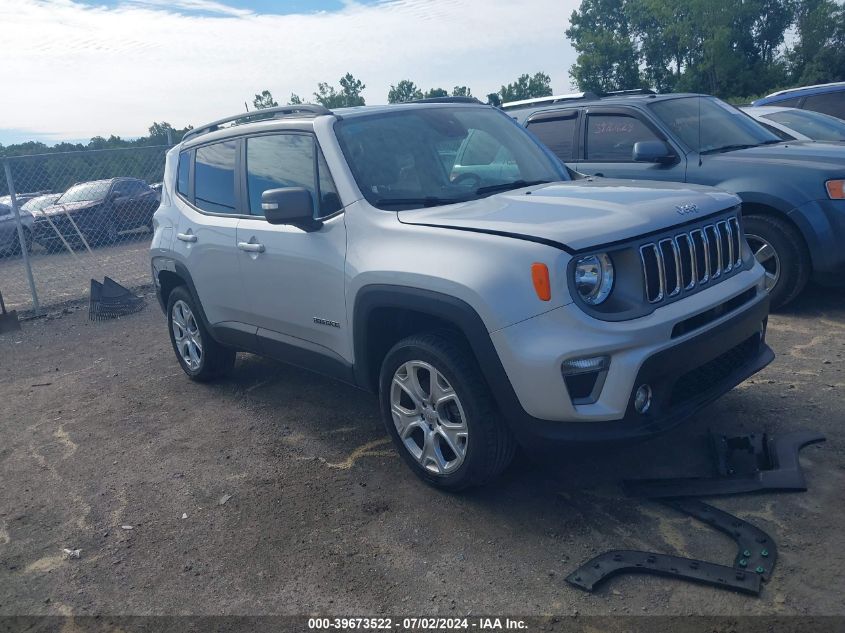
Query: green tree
x=349, y=94
x=461, y=91
x=264, y=100
x=494, y=99
x=404, y=91
x=602, y=36
x=818, y=56
x=526, y=87
x=436, y=93
x=295, y=99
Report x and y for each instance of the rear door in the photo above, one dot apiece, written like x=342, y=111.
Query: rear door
x=608, y=136
x=207, y=197
x=558, y=130
x=294, y=278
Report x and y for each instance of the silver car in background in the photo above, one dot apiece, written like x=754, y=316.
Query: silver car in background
x=792, y=124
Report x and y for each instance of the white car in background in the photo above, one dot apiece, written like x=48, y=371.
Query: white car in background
x=792, y=124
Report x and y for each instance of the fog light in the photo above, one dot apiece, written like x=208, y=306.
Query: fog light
x=642, y=399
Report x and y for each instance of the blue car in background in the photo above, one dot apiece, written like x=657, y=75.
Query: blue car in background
x=793, y=192
x=824, y=98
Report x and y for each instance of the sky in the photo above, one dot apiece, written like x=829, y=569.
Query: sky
x=73, y=69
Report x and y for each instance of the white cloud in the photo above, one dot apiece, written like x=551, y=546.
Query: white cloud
x=74, y=71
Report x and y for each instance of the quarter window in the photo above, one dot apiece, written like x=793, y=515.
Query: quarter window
x=557, y=133
x=611, y=137
x=214, y=177
x=182, y=175
x=288, y=160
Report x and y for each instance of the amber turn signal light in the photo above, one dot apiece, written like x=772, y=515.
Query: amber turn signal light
x=540, y=277
x=836, y=189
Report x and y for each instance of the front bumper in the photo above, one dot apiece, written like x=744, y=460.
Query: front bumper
x=686, y=372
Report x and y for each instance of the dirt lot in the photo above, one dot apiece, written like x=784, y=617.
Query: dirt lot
x=100, y=430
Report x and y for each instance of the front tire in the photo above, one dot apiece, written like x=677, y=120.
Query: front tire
x=201, y=357
x=440, y=414
x=781, y=251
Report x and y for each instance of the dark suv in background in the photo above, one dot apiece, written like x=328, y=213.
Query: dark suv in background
x=824, y=98
x=96, y=211
x=792, y=192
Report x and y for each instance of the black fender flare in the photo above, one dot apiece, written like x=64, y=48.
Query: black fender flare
x=442, y=306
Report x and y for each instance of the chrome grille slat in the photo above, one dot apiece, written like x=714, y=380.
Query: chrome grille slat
x=684, y=262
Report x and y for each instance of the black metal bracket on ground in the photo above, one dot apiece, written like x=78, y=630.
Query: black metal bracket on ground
x=8, y=320
x=597, y=570
x=754, y=562
x=744, y=463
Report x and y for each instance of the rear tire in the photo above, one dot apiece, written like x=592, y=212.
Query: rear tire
x=780, y=249
x=201, y=357
x=440, y=414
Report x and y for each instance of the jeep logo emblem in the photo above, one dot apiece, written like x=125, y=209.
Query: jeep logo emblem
x=687, y=209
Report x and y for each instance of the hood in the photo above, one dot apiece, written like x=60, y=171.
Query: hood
x=579, y=214
x=70, y=207
x=816, y=155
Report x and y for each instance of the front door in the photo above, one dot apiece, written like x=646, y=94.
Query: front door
x=608, y=145
x=294, y=278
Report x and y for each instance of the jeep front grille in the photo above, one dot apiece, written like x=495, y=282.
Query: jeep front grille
x=684, y=262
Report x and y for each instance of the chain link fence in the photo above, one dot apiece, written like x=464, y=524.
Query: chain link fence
x=66, y=218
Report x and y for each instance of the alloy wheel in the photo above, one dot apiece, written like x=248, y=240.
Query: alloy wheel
x=765, y=253
x=429, y=417
x=187, y=335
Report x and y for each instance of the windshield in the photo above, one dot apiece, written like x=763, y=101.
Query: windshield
x=85, y=192
x=817, y=126
x=430, y=156
x=706, y=124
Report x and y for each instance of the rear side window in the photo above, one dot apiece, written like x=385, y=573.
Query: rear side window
x=611, y=137
x=557, y=133
x=214, y=177
x=288, y=160
x=832, y=103
x=182, y=174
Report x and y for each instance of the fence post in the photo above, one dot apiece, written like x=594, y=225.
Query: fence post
x=21, y=237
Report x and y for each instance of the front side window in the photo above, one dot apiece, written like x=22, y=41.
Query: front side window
x=183, y=173
x=430, y=156
x=707, y=124
x=557, y=133
x=288, y=160
x=611, y=137
x=214, y=177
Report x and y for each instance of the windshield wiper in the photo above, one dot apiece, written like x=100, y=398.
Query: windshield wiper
x=507, y=186
x=729, y=148
x=427, y=201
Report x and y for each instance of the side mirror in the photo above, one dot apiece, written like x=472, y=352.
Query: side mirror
x=290, y=205
x=653, y=152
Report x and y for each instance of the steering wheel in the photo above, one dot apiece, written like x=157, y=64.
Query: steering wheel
x=467, y=176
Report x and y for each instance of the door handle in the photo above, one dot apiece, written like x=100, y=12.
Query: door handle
x=250, y=247
x=186, y=237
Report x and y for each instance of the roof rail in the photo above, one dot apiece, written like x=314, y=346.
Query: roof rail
x=789, y=90
x=550, y=99
x=446, y=100
x=258, y=115
x=625, y=93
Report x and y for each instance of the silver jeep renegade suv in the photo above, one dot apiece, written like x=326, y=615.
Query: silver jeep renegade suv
x=436, y=254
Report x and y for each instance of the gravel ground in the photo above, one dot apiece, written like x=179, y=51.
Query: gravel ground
x=276, y=491
x=62, y=276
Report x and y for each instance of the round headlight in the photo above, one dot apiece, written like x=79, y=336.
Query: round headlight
x=594, y=278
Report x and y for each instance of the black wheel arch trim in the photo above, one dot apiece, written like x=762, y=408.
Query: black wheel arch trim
x=444, y=307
